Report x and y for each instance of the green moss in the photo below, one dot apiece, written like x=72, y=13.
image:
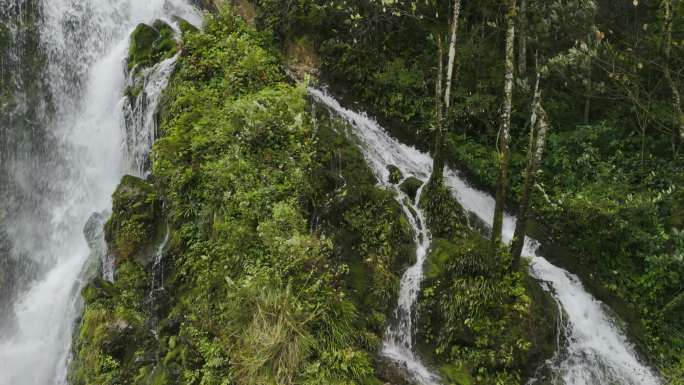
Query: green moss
x=371, y=235
x=456, y=375
x=131, y=231
x=395, y=175
x=150, y=45
x=444, y=215
x=112, y=330
x=410, y=187
x=284, y=257
x=468, y=298
x=185, y=26
x=132, y=92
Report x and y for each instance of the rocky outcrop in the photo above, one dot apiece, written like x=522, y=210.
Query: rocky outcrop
x=151, y=44
x=132, y=229
x=410, y=187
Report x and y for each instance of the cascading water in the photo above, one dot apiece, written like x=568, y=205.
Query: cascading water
x=380, y=151
x=64, y=150
x=140, y=114
x=595, y=352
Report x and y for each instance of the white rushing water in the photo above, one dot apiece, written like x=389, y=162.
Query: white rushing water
x=140, y=116
x=595, y=352
x=86, y=44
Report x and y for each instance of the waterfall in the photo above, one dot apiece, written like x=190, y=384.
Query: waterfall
x=64, y=148
x=595, y=350
x=140, y=115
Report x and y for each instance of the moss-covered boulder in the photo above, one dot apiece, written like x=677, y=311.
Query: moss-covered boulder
x=184, y=25
x=410, y=186
x=113, y=335
x=444, y=215
x=469, y=297
x=151, y=44
x=395, y=175
x=132, y=230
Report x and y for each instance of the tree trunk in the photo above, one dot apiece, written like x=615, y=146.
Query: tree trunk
x=678, y=130
x=452, y=54
x=522, y=39
x=504, y=130
x=438, y=156
x=534, y=156
x=443, y=103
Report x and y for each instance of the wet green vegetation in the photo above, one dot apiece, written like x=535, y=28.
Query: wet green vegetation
x=284, y=257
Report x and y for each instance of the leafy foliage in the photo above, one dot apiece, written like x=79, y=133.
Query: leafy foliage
x=275, y=273
x=609, y=188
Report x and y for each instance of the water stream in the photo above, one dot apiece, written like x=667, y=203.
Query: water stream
x=70, y=165
x=595, y=350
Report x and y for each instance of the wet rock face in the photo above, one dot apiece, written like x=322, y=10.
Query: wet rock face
x=151, y=44
x=131, y=232
x=410, y=187
x=395, y=175
x=94, y=229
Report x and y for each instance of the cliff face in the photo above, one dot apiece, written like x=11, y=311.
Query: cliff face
x=259, y=251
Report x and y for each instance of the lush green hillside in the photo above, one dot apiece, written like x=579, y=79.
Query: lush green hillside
x=283, y=258
x=608, y=201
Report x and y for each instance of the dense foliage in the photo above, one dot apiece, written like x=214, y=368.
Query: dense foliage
x=469, y=297
x=608, y=202
x=283, y=257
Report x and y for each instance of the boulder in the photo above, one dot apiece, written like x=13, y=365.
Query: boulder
x=184, y=25
x=395, y=175
x=410, y=187
x=132, y=229
x=150, y=44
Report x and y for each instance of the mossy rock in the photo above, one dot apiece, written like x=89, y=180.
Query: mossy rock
x=131, y=231
x=150, y=45
x=133, y=92
x=395, y=175
x=185, y=26
x=468, y=297
x=444, y=215
x=456, y=374
x=467, y=256
x=410, y=187
x=98, y=290
x=540, y=327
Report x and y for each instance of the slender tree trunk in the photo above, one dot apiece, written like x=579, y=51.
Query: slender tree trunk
x=538, y=131
x=452, y=53
x=443, y=101
x=522, y=39
x=678, y=130
x=504, y=130
x=438, y=156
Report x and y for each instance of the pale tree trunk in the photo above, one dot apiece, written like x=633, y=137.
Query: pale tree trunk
x=438, y=156
x=505, y=129
x=522, y=39
x=539, y=128
x=442, y=105
x=678, y=130
x=452, y=53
